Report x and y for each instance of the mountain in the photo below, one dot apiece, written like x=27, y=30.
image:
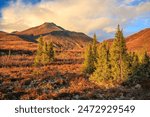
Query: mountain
x=139, y=41
x=62, y=39
x=41, y=30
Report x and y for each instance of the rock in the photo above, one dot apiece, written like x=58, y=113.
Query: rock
x=76, y=97
x=122, y=97
x=138, y=86
x=100, y=95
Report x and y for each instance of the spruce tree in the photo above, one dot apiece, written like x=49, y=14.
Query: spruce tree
x=146, y=59
x=143, y=57
x=88, y=66
x=45, y=57
x=51, y=52
x=45, y=52
x=40, y=46
x=133, y=62
x=94, y=48
x=48, y=53
x=39, y=52
x=102, y=71
x=91, y=55
x=119, y=57
x=143, y=68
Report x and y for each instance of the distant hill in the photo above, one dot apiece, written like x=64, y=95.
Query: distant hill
x=139, y=41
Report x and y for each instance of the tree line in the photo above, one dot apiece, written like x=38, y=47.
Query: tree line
x=113, y=62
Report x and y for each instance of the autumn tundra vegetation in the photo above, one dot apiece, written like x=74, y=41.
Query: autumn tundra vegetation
x=105, y=70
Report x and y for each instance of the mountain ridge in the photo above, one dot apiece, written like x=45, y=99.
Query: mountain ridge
x=62, y=38
x=65, y=39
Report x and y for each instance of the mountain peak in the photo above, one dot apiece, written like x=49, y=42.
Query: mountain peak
x=47, y=24
x=50, y=25
x=42, y=29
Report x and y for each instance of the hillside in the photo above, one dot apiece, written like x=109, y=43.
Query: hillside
x=139, y=41
x=13, y=43
x=2, y=34
x=68, y=40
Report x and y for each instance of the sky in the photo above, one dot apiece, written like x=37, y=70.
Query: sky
x=87, y=16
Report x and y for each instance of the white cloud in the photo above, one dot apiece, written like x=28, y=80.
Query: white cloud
x=79, y=15
x=109, y=29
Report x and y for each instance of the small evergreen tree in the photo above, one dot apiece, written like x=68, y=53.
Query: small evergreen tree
x=119, y=57
x=51, y=52
x=39, y=52
x=45, y=57
x=94, y=49
x=142, y=71
x=40, y=46
x=146, y=58
x=143, y=57
x=133, y=62
x=45, y=52
x=91, y=55
x=88, y=66
x=102, y=71
x=48, y=53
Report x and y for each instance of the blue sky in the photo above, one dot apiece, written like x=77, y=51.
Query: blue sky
x=5, y=3
x=132, y=15
x=136, y=2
